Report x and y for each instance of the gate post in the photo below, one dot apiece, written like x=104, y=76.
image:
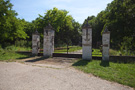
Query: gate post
x=35, y=43
x=87, y=42
x=105, y=44
x=48, y=43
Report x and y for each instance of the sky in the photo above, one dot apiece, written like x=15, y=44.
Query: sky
x=78, y=9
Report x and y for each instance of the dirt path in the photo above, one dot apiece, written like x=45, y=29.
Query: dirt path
x=50, y=74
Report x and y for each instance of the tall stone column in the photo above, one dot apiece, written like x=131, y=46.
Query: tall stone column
x=105, y=44
x=35, y=43
x=87, y=42
x=48, y=44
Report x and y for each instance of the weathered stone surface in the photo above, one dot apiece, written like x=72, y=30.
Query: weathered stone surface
x=35, y=43
x=106, y=46
x=87, y=43
x=48, y=42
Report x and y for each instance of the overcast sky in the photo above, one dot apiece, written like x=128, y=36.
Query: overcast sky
x=79, y=9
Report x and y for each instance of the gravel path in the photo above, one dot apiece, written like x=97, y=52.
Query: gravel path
x=36, y=76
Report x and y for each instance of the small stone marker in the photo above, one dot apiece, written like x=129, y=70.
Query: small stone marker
x=48, y=44
x=35, y=43
x=87, y=42
x=105, y=44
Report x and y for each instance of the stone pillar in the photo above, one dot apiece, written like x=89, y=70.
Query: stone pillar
x=105, y=45
x=87, y=42
x=35, y=43
x=48, y=44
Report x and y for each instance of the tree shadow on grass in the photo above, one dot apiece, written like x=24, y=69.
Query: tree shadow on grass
x=85, y=62
x=105, y=63
x=37, y=59
x=27, y=54
x=81, y=63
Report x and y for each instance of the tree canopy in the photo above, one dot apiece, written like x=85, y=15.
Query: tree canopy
x=11, y=27
x=66, y=28
x=119, y=17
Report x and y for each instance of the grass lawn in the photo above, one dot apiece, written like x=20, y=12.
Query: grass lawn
x=71, y=49
x=11, y=56
x=118, y=72
x=96, y=52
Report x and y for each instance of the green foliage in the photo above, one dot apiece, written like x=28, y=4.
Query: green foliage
x=126, y=47
x=11, y=27
x=66, y=29
x=16, y=31
x=23, y=43
x=96, y=52
x=16, y=48
x=118, y=72
x=114, y=52
x=119, y=17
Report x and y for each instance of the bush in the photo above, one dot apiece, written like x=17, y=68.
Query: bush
x=23, y=43
x=114, y=52
x=127, y=46
x=10, y=48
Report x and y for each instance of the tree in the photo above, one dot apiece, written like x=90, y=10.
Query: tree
x=119, y=17
x=11, y=27
x=63, y=24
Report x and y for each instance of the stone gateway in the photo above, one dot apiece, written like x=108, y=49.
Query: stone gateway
x=48, y=42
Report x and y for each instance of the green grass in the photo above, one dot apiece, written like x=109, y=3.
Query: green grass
x=9, y=53
x=114, y=52
x=71, y=49
x=11, y=56
x=14, y=48
x=117, y=72
x=96, y=52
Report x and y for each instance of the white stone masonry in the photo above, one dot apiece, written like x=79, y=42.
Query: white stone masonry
x=35, y=43
x=105, y=45
x=87, y=42
x=48, y=44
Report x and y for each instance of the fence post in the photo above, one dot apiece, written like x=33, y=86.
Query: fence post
x=105, y=44
x=48, y=43
x=35, y=43
x=87, y=42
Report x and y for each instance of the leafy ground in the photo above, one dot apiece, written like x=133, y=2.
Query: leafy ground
x=118, y=72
